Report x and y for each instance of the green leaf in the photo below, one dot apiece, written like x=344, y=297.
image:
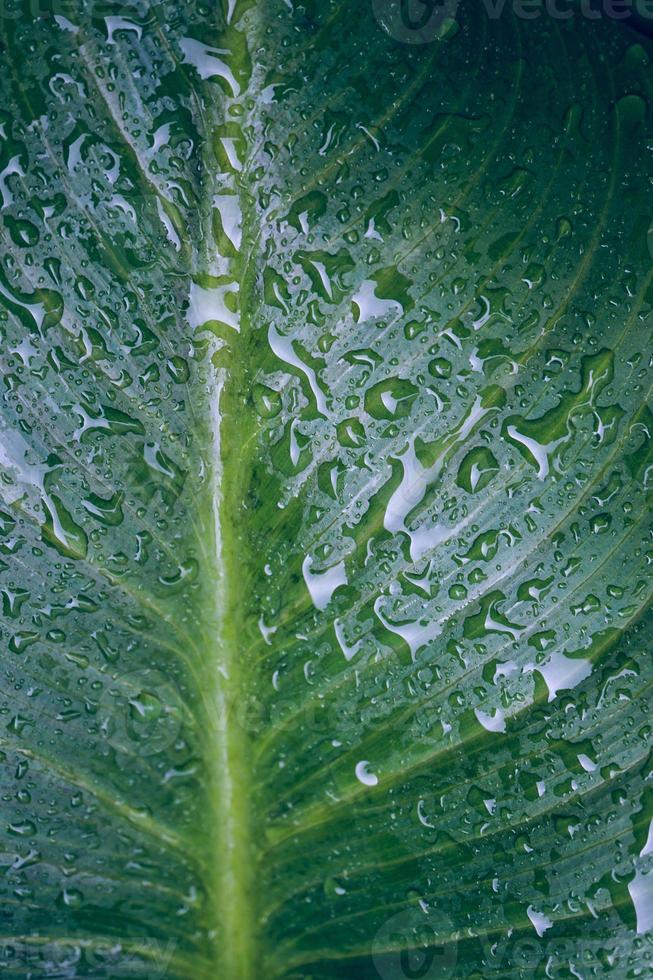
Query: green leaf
x=326, y=454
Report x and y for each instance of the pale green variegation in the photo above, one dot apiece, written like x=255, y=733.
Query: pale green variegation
x=326, y=463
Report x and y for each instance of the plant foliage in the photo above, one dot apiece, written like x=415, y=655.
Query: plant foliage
x=326, y=458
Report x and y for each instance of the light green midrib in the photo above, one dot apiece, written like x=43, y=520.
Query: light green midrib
x=233, y=916
x=229, y=832
x=229, y=798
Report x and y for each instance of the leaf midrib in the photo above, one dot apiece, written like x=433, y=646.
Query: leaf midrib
x=230, y=831
x=227, y=742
